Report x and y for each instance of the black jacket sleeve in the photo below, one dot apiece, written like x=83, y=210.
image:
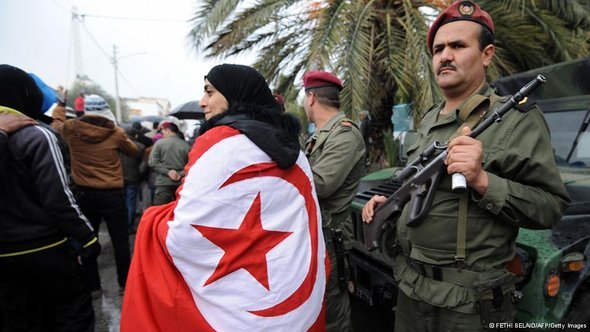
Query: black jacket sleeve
x=3, y=141
x=42, y=154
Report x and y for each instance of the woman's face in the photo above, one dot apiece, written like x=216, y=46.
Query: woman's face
x=212, y=102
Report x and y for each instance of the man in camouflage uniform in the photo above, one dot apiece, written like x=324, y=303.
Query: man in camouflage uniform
x=335, y=154
x=451, y=269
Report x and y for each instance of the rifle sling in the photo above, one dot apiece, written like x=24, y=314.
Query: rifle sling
x=471, y=112
x=461, y=250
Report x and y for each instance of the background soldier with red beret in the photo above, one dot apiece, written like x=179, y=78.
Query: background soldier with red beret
x=451, y=268
x=335, y=153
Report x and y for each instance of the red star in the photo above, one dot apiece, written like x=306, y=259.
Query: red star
x=245, y=247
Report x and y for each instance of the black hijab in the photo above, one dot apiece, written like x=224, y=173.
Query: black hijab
x=253, y=110
x=242, y=84
x=19, y=91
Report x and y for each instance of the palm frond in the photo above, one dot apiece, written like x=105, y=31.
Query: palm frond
x=247, y=29
x=353, y=64
x=575, y=12
x=209, y=17
x=418, y=78
x=328, y=25
x=378, y=48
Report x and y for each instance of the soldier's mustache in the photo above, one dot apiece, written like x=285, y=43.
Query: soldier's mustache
x=445, y=65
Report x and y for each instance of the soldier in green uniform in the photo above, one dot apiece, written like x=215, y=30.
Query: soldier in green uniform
x=168, y=158
x=335, y=153
x=452, y=268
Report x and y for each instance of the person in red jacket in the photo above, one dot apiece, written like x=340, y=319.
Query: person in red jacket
x=79, y=104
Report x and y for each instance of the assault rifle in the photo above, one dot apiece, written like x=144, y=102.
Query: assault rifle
x=422, y=176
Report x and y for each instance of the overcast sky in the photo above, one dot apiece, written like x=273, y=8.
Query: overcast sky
x=155, y=59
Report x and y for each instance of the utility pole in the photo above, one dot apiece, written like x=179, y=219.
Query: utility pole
x=115, y=61
x=76, y=19
x=117, y=102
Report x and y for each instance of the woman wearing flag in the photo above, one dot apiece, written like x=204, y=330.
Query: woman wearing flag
x=241, y=247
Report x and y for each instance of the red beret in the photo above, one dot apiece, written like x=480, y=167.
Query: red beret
x=319, y=79
x=280, y=99
x=460, y=11
x=167, y=124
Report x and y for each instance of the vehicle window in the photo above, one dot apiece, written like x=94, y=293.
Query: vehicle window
x=564, y=127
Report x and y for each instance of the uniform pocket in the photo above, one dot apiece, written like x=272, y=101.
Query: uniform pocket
x=411, y=151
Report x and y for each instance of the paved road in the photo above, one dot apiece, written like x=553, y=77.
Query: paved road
x=107, y=306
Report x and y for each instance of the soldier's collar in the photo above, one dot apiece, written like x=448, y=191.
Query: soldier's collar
x=475, y=101
x=333, y=121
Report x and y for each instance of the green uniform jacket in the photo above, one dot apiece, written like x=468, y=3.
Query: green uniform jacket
x=336, y=163
x=167, y=154
x=525, y=190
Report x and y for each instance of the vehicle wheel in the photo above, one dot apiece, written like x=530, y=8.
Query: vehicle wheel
x=578, y=312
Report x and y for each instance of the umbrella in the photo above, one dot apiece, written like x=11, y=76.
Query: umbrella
x=49, y=95
x=151, y=118
x=189, y=110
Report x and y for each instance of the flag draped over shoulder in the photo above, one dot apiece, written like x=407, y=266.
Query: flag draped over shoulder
x=240, y=249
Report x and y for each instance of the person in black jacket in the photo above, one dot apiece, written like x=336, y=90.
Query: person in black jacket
x=133, y=173
x=41, y=284
x=10, y=122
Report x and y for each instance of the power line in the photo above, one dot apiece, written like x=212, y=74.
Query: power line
x=95, y=41
x=133, y=18
x=110, y=59
x=60, y=5
x=121, y=17
x=128, y=83
x=80, y=18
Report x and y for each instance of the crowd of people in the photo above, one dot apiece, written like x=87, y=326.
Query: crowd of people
x=249, y=229
x=61, y=176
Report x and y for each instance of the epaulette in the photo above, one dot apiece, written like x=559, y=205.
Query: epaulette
x=523, y=107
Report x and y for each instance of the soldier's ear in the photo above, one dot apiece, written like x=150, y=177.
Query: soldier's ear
x=488, y=54
x=310, y=97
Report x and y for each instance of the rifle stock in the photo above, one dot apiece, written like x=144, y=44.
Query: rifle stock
x=420, y=181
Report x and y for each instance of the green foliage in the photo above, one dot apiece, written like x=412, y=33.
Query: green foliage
x=378, y=47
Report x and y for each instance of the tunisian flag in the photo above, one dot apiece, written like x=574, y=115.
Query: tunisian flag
x=240, y=249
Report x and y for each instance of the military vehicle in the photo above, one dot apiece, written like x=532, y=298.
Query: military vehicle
x=555, y=284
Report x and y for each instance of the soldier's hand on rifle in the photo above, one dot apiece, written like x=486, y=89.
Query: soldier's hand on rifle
x=465, y=156
x=369, y=208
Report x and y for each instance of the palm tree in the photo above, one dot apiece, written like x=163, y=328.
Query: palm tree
x=377, y=47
